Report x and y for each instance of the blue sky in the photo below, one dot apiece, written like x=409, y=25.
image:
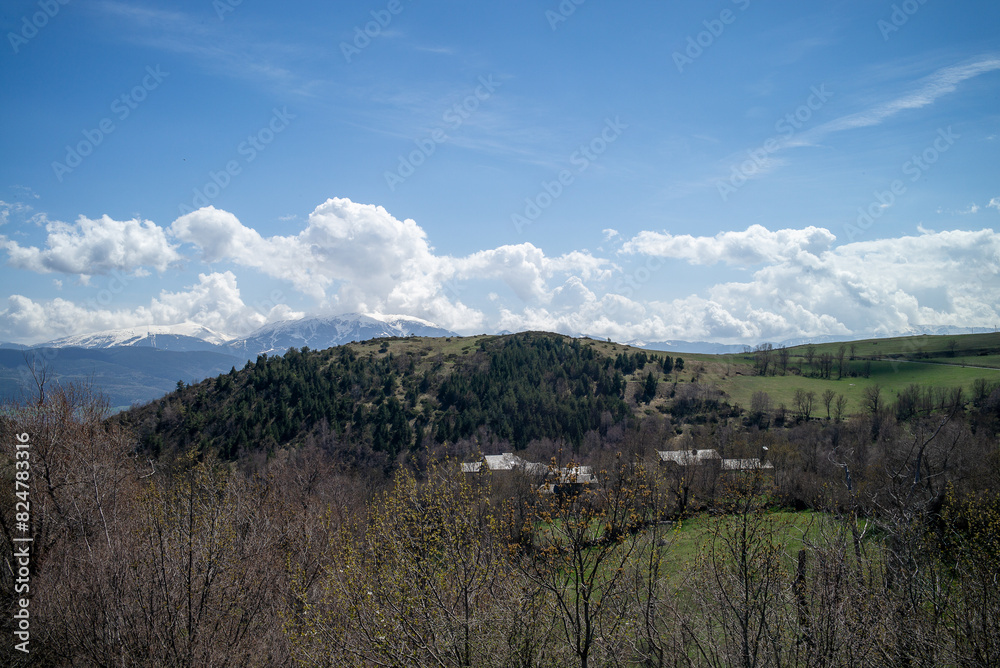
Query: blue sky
x=734, y=170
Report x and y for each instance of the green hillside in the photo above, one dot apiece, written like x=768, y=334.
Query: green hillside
x=312, y=506
x=942, y=363
x=384, y=397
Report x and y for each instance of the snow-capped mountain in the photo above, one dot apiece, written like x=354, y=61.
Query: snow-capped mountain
x=323, y=332
x=183, y=337
x=274, y=339
x=142, y=363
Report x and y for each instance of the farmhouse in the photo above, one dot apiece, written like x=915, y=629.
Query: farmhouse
x=686, y=458
x=556, y=480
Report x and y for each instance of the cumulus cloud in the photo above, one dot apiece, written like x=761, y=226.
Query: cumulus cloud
x=96, y=247
x=214, y=302
x=871, y=287
x=755, y=245
x=526, y=269
x=217, y=234
x=358, y=257
x=361, y=248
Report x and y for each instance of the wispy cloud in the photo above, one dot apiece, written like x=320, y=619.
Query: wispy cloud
x=766, y=159
x=929, y=89
x=226, y=52
x=440, y=50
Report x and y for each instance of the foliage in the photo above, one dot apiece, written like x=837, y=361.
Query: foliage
x=518, y=389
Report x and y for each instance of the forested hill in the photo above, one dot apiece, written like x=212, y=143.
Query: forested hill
x=376, y=399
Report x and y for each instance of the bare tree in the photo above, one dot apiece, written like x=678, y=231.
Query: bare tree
x=760, y=406
x=841, y=351
x=580, y=559
x=804, y=403
x=783, y=354
x=763, y=359
x=40, y=372
x=872, y=399
x=810, y=354
x=740, y=586
x=828, y=396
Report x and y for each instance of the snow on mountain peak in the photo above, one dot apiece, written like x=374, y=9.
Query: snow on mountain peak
x=131, y=336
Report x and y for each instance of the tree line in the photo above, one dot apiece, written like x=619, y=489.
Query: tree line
x=192, y=561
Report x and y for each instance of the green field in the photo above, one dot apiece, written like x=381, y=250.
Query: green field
x=944, y=362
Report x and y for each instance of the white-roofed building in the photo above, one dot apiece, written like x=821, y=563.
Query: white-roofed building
x=688, y=457
x=745, y=464
x=508, y=461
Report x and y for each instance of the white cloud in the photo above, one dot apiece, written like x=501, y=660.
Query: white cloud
x=214, y=302
x=994, y=204
x=217, y=234
x=762, y=161
x=354, y=257
x=358, y=257
x=883, y=286
x=932, y=87
x=95, y=247
x=7, y=208
x=609, y=233
x=755, y=245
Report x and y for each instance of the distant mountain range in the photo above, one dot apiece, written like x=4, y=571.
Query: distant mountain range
x=135, y=365
x=321, y=333
x=139, y=364
x=185, y=337
x=273, y=339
